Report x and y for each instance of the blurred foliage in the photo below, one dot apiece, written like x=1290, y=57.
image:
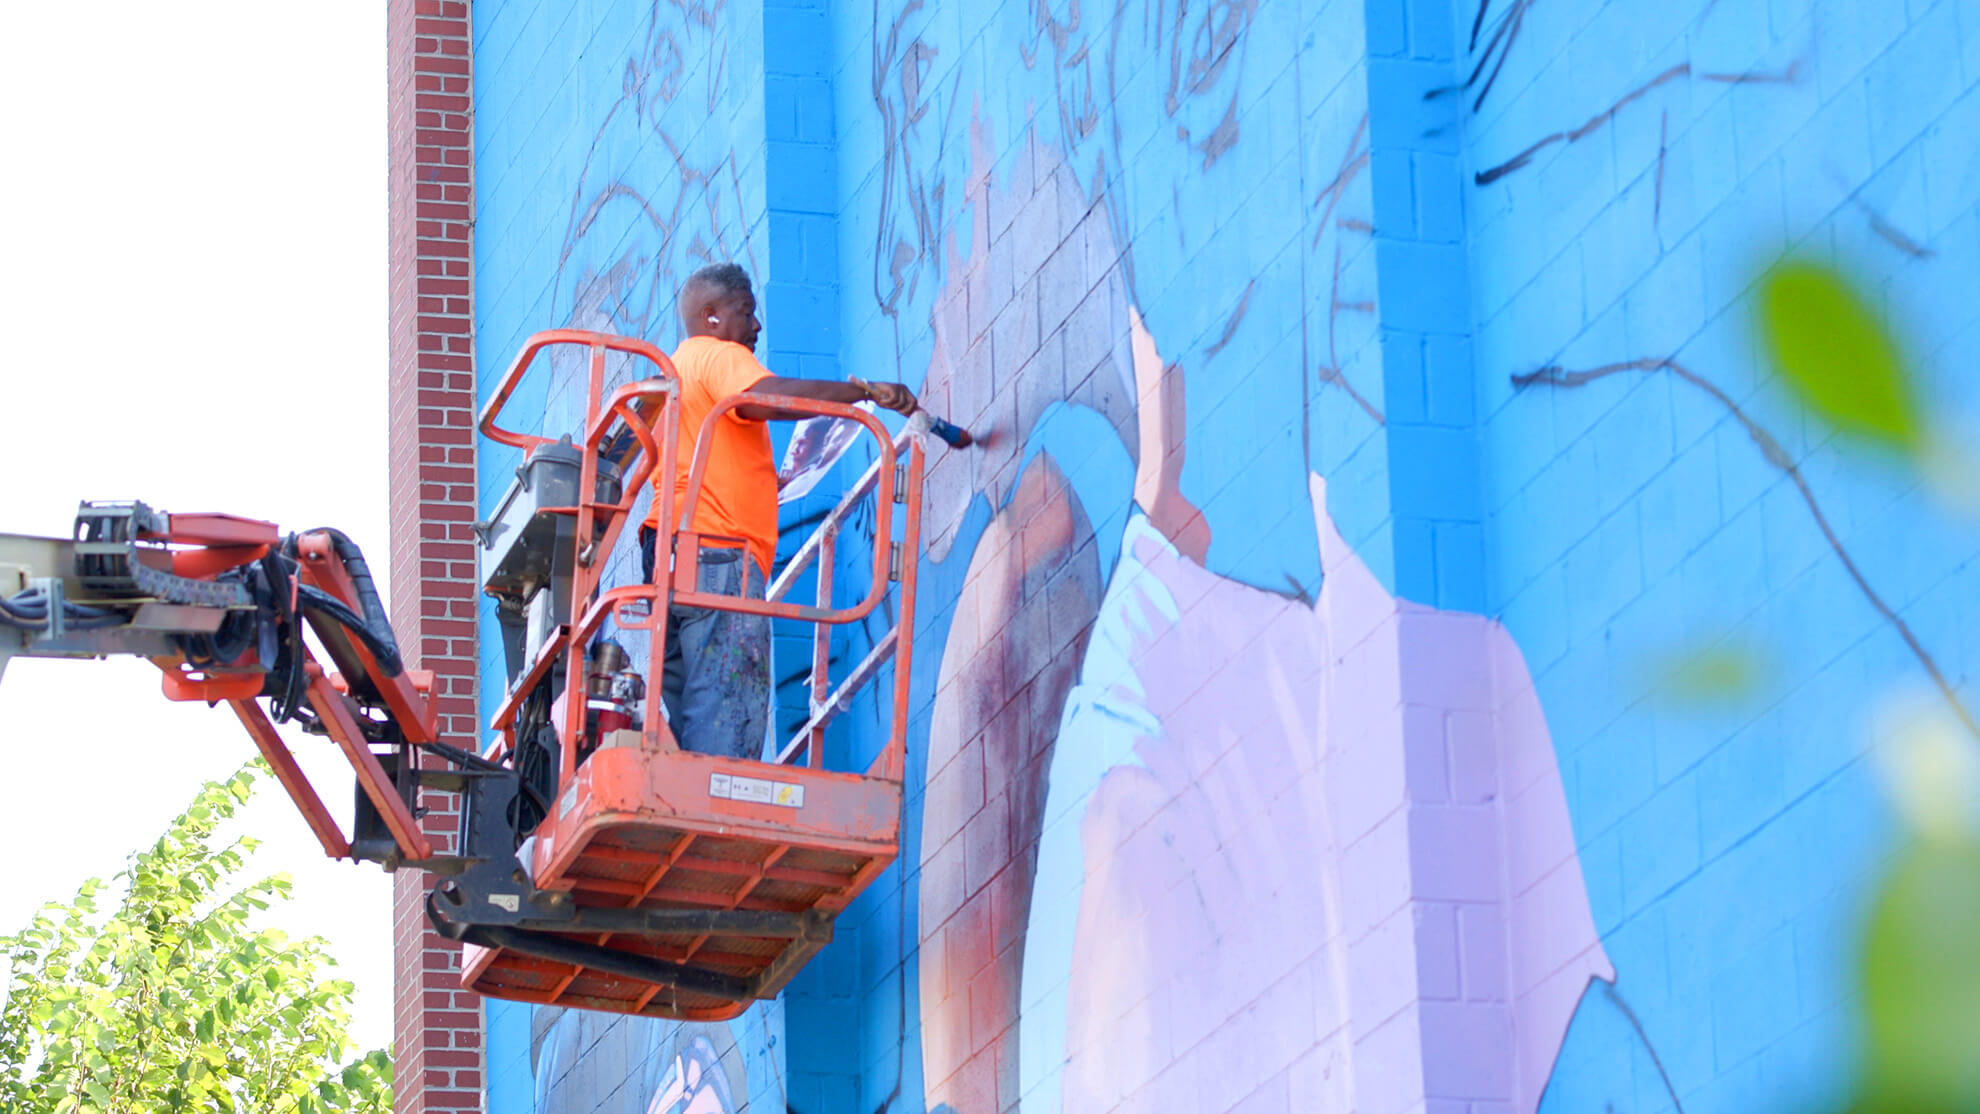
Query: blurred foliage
x=1920, y=972
x=1919, y=969
x=1835, y=353
x=1921, y=981
x=172, y=1000
x=1711, y=676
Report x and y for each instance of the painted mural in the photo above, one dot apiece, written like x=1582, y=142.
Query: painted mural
x=1077, y=701
x=1267, y=857
x=1204, y=813
x=613, y=1064
x=1109, y=851
x=645, y=191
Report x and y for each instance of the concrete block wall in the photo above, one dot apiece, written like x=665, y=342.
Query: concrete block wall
x=1652, y=494
x=800, y=291
x=622, y=147
x=617, y=147
x=1371, y=416
x=1415, y=144
x=801, y=300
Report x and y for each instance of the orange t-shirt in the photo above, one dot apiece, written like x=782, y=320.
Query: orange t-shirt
x=739, y=488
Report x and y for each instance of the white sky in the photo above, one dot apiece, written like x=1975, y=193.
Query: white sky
x=192, y=295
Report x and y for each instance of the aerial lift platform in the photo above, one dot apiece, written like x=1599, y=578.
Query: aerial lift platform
x=597, y=866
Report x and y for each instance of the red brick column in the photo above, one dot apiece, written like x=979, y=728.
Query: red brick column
x=437, y=1032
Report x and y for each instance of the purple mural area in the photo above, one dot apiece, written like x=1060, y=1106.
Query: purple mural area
x=1317, y=849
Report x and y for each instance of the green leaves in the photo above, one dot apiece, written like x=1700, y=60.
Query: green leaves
x=1921, y=982
x=1919, y=972
x=1837, y=355
x=175, y=999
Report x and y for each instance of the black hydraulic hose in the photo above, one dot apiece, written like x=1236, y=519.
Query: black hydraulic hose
x=237, y=635
x=285, y=682
x=373, y=607
x=375, y=623
x=316, y=601
x=26, y=606
x=29, y=611
x=22, y=622
x=34, y=604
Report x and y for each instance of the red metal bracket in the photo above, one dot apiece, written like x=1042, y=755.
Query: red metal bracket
x=335, y=709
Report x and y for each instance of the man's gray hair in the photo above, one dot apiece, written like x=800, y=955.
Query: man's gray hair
x=729, y=278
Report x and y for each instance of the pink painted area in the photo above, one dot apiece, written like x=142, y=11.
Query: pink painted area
x=1009, y=651
x=1274, y=807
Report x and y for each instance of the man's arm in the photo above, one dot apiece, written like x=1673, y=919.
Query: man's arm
x=892, y=396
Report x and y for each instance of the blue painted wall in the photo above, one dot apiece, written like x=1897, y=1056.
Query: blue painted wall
x=621, y=146
x=1173, y=262
x=1679, y=501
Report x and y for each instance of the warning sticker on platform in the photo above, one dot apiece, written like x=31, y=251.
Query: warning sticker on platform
x=756, y=790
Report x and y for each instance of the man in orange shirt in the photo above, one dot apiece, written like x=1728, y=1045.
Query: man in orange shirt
x=716, y=679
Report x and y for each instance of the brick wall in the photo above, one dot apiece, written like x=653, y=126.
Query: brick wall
x=437, y=1032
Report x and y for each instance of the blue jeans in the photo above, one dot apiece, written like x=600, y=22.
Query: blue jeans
x=716, y=679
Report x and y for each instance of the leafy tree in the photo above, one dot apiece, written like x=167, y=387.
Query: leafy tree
x=173, y=1000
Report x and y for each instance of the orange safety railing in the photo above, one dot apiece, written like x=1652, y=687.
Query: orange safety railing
x=891, y=561
x=895, y=559
x=647, y=411
x=599, y=524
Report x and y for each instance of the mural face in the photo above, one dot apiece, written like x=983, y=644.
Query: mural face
x=1028, y=597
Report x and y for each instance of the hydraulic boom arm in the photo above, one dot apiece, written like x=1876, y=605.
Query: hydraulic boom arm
x=220, y=604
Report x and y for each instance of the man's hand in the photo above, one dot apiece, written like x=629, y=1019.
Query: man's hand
x=891, y=396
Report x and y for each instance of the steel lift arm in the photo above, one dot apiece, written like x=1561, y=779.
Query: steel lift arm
x=221, y=605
